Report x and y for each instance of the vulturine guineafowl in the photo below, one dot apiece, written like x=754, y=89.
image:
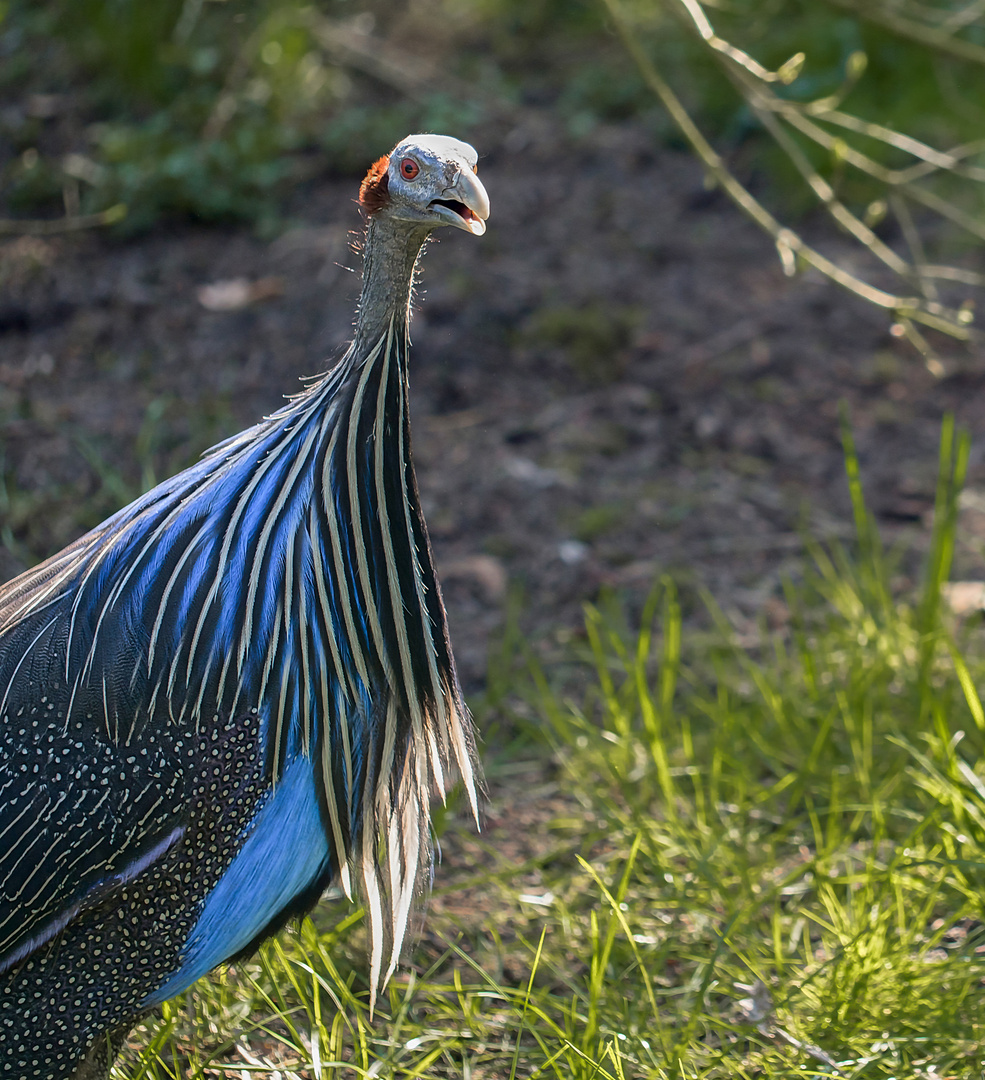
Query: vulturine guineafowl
x=236, y=690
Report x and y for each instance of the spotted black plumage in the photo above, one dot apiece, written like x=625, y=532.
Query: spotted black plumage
x=235, y=690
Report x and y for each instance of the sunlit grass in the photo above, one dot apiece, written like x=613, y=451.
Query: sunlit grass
x=769, y=861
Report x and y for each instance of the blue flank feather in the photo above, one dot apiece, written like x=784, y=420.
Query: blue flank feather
x=285, y=852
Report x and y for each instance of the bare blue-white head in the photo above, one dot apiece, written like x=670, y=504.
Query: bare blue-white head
x=425, y=182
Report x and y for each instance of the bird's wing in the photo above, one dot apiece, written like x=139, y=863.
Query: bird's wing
x=81, y=811
x=94, y=772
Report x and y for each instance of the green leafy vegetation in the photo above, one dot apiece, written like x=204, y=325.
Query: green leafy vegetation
x=762, y=858
x=213, y=109
x=871, y=113
x=199, y=108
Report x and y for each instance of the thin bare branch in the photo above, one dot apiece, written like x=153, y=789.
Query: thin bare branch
x=932, y=160
x=954, y=273
x=932, y=36
x=785, y=239
x=958, y=153
x=56, y=226
x=900, y=179
x=790, y=246
x=960, y=19
x=823, y=190
x=915, y=244
x=947, y=210
x=738, y=56
x=940, y=159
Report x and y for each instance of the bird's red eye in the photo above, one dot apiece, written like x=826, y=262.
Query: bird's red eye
x=409, y=168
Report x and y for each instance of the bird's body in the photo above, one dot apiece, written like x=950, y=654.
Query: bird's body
x=235, y=690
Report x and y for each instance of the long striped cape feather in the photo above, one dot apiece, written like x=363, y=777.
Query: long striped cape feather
x=287, y=574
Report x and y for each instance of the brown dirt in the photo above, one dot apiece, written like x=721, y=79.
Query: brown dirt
x=617, y=381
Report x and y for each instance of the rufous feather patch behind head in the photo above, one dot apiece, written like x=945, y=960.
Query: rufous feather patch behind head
x=374, y=191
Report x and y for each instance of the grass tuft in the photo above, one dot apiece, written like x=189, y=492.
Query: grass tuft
x=754, y=859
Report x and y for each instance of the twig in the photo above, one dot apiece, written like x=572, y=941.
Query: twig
x=346, y=44
x=947, y=210
x=56, y=226
x=937, y=159
x=955, y=273
x=935, y=38
x=758, y=1009
x=825, y=193
x=789, y=244
x=964, y=18
x=787, y=72
x=914, y=242
x=772, y=1028
x=923, y=168
x=797, y=117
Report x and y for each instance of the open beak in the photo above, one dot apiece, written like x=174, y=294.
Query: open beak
x=465, y=204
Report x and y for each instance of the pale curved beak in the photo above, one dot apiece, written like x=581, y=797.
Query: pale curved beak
x=465, y=204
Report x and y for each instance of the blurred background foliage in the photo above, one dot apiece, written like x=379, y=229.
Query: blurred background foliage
x=210, y=107
x=213, y=109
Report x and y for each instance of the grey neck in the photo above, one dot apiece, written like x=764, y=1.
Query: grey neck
x=390, y=255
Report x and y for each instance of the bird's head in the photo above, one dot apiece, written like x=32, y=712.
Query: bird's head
x=428, y=180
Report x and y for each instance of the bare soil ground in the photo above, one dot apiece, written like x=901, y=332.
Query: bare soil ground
x=617, y=381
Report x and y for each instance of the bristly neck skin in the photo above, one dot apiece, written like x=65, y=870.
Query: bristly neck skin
x=390, y=254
